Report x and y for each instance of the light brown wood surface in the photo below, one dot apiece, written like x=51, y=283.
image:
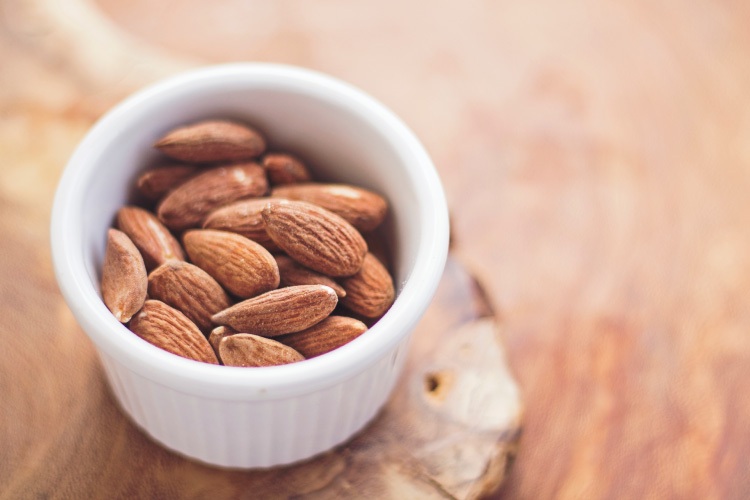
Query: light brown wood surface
x=442, y=434
x=596, y=159
x=450, y=429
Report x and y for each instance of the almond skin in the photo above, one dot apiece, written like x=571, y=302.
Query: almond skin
x=293, y=273
x=169, y=329
x=247, y=350
x=216, y=335
x=284, y=168
x=241, y=266
x=244, y=218
x=124, y=280
x=188, y=204
x=190, y=290
x=376, y=245
x=363, y=209
x=370, y=292
x=150, y=236
x=329, y=334
x=315, y=237
x=286, y=310
x=153, y=184
x=212, y=141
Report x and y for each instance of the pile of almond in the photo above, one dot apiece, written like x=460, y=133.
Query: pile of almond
x=236, y=257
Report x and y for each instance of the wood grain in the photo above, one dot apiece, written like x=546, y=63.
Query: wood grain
x=596, y=160
x=450, y=430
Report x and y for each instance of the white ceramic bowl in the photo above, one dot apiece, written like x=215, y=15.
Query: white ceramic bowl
x=248, y=417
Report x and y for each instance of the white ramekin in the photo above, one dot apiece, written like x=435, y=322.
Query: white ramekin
x=248, y=417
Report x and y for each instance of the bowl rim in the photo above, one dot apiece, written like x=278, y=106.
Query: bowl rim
x=236, y=383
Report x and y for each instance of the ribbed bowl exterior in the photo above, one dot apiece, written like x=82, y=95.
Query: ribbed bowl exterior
x=258, y=433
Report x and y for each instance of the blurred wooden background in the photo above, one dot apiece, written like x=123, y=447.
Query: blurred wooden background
x=596, y=157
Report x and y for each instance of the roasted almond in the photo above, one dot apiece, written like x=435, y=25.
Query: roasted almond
x=124, y=281
x=292, y=273
x=377, y=246
x=212, y=141
x=244, y=349
x=190, y=290
x=329, y=334
x=284, y=168
x=242, y=217
x=363, y=209
x=216, y=335
x=240, y=265
x=150, y=236
x=169, y=329
x=370, y=292
x=188, y=204
x=315, y=237
x=286, y=310
x=153, y=184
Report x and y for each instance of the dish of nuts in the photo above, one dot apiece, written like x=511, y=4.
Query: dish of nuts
x=236, y=256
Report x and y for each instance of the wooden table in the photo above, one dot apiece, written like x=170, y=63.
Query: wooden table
x=596, y=157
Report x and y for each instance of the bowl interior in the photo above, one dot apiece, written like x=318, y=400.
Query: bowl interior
x=344, y=135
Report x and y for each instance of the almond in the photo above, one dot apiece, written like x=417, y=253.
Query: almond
x=376, y=245
x=291, y=273
x=242, y=217
x=370, y=292
x=169, y=329
x=124, y=279
x=190, y=290
x=315, y=237
x=342, y=310
x=217, y=334
x=329, y=334
x=188, y=204
x=363, y=209
x=286, y=310
x=212, y=141
x=284, y=168
x=155, y=183
x=240, y=265
x=153, y=240
x=244, y=349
